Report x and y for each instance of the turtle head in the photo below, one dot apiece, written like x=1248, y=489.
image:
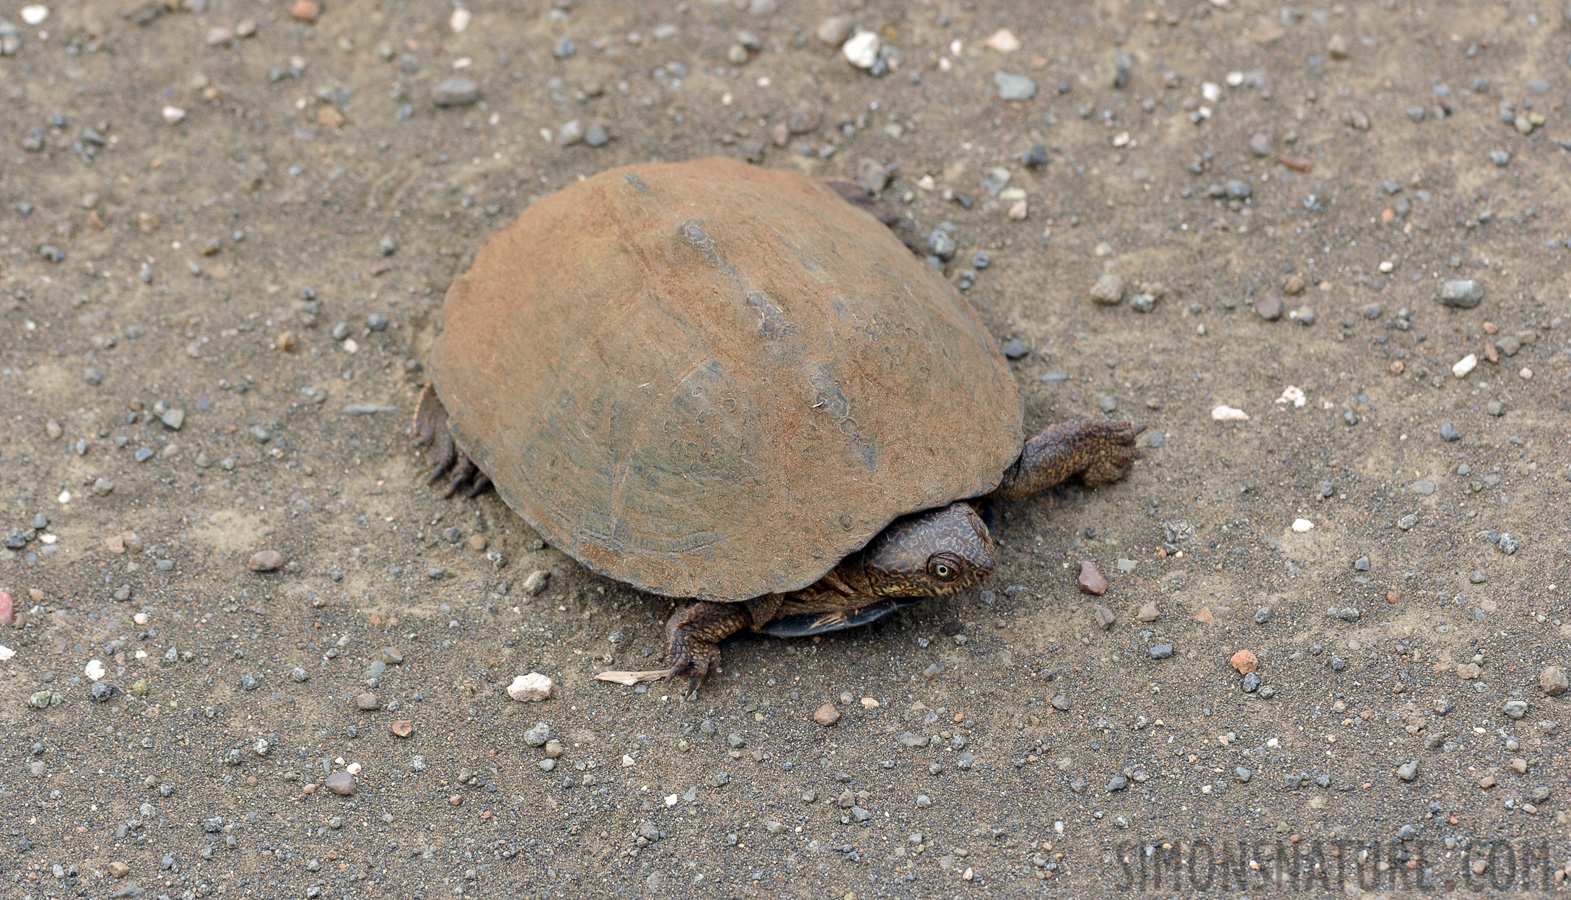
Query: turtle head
x=929, y=554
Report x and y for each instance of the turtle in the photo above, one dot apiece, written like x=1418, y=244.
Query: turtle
x=737, y=386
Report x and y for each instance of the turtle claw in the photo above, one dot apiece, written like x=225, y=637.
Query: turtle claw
x=693, y=658
x=693, y=636
x=441, y=453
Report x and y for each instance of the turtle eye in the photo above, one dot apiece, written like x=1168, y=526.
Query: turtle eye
x=943, y=568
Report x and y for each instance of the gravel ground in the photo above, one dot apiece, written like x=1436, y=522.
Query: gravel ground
x=1322, y=251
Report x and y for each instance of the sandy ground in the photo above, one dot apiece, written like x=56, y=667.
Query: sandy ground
x=225, y=235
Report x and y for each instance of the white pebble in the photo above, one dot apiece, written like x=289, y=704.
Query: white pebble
x=670, y=799
x=1465, y=365
x=1211, y=91
x=1387, y=265
x=862, y=49
x=1302, y=525
x=1235, y=78
x=627, y=761
x=35, y=14
x=64, y=498
x=94, y=670
x=1229, y=414
x=530, y=688
x=6, y=653
x=1292, y=394
x=173, y=114
x=1004, y=41
x=459, y=20
x=353, y=768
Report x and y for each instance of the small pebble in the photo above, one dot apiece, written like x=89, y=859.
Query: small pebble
x=1091, y=580
x=1004, y=41
x=833, y=31
x=342, y=783
x=306, y=10
x=1408, y=771
x=862, y=49
x=368, y=702
x=1108, y=289
x=1014, y=87
x=1104, y=617
x=1245, y=662
x=265, y=560
x=530, y=688
x=942, y=244
x=826, y=715
x=1461, y=294
x=1148, y=613
x=455, y=91
x=1161, y=651
x=1553, y=681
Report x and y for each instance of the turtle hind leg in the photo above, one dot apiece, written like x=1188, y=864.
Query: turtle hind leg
x=694, y=633
x=1097, y=452
x=441, y=453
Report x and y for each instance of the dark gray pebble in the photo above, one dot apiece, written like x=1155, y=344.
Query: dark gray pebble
x=455, y=91
x=1461, y=294
x=941, y=244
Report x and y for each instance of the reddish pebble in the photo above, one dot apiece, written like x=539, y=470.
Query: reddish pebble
x=1091, y=580
x=307, y=10
x=7, y=609
x=1245, y=662
x=403, y=728
x=826, y=715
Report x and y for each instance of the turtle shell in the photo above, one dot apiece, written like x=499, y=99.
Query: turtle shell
x=712, y=380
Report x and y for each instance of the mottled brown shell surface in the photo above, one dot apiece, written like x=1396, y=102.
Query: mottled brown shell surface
x=712, y=380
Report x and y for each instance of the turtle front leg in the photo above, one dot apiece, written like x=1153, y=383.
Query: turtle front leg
x=694, y=633
x=1096, y=451
x=441, y=454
